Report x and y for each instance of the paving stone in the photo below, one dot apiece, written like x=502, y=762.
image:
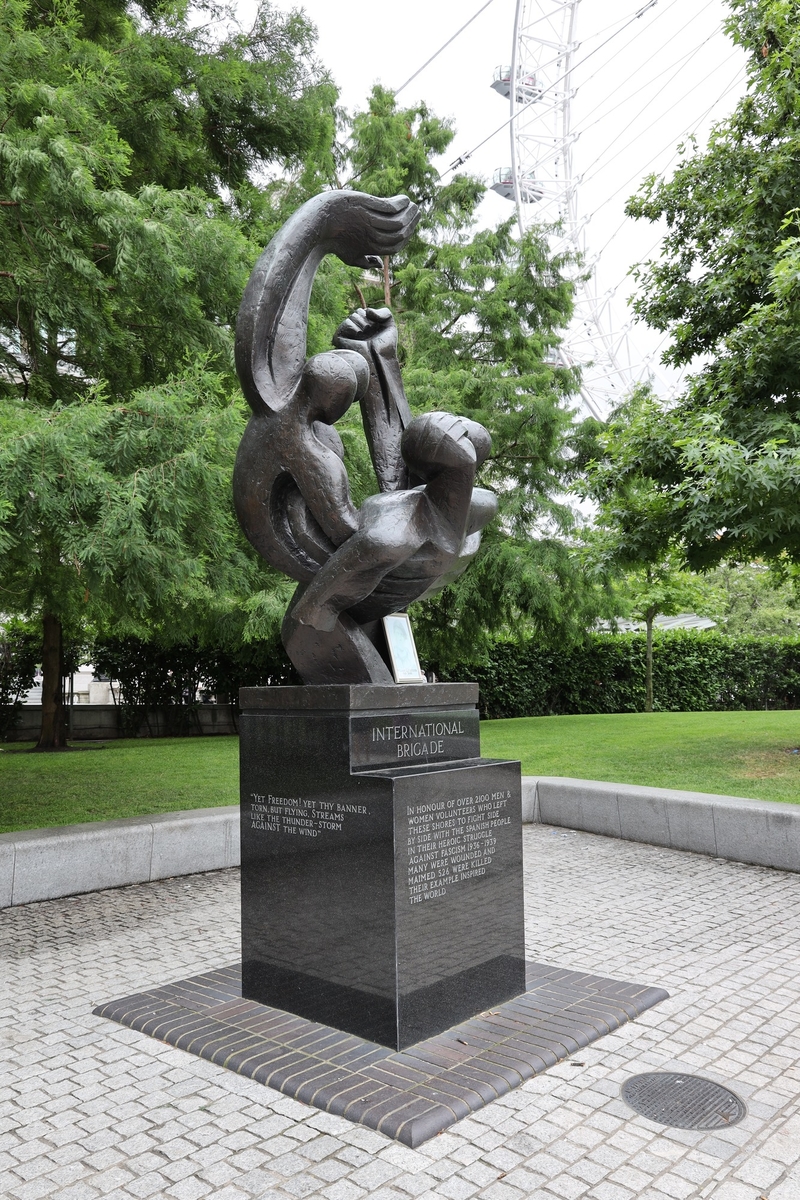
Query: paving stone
x=788, y=1189
x=457, y=1188
x=480, y=1173
x=568, y=1187
x=189, y=1189
x=37, y=1189
x=231, y=1193
x=343, y=1190
x=443, y=1168
x=734, y=1191
x=82, y=1098
x=610, y=1191
x=415, y=1185
x=784, y=1146
x=501, y=1191
x=674, y=1186
x=330, y=1170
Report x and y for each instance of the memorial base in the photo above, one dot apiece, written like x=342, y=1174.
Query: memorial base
x=410, y=1095
x=382, y=885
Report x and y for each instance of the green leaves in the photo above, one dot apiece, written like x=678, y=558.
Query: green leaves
x=134, y=144
x=479, y=317
x=122, y=512
x=716, y=473
x=391, y=149
x=124, y=142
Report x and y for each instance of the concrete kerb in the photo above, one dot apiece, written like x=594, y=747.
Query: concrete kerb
x=763, y=832
x=45, y=864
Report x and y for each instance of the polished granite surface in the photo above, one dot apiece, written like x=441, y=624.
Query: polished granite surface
x=381, y=865
x=354, y=697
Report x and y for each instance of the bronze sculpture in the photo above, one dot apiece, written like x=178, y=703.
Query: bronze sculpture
x=291, y=491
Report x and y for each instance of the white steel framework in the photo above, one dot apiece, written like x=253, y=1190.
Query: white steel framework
x=542, y=183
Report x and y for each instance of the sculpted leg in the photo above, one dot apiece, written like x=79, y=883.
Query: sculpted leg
x=342, y=655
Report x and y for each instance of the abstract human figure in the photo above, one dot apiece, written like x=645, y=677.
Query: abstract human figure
x=384, y=407
x=290, y=484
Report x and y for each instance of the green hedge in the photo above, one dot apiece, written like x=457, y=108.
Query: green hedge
x=692, y=672
x=168, y=678
x=19, y=654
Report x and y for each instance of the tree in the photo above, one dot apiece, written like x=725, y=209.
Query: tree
x=662, y=588
x=479, y=317
x=130, y=151
x=127, y=139
x=717, y=472
x=119, y=517
x=124, y=186
x=751, y=599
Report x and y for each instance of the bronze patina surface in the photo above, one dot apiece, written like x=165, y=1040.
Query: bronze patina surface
x=291, y=489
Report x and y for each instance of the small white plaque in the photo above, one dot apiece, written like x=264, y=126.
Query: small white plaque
x=402, y=649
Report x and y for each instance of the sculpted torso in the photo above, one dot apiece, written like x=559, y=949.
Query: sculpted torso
x=291, y=489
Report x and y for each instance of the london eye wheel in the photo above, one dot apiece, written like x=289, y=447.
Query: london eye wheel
x=538, y=84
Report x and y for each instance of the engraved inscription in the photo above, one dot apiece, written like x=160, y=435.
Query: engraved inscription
x=420, y=739
x=452, y=840
x=409, y=739
x=298, y=817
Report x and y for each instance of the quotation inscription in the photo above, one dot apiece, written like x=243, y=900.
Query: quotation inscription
x=414, y=741
x=452, y=840
x=298, y=817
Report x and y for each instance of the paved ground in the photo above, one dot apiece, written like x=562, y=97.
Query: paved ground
x=90, y=1109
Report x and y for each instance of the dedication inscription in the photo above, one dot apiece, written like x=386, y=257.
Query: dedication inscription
x=450, y=841
x=381, y=859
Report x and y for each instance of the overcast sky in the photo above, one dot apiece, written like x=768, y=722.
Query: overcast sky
x=671, y=73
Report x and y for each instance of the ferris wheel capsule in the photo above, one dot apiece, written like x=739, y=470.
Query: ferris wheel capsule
x=504, y=183
x=527, y=87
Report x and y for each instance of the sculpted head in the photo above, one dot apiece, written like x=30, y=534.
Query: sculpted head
x=331, y=382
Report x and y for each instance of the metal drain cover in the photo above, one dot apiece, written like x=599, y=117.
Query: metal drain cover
x=683, y=1101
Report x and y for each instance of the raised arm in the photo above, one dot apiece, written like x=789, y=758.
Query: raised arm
x=273, y=317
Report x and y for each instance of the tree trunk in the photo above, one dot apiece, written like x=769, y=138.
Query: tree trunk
x=53, y=735
x=648, y=674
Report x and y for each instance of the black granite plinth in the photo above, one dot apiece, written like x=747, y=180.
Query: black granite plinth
x=381, y=859
x=409, y=1095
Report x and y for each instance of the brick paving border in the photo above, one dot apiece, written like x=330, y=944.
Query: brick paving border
x=410, y=1095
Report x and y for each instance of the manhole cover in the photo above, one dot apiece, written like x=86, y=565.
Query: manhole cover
x=683, y=1101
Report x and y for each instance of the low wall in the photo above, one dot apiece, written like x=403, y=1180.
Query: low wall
x=101, y=722
x=763, y=832
x=43, y=864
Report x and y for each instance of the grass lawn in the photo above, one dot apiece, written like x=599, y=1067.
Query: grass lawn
x=733, y=753
x=739, y=754
x=126, y=778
